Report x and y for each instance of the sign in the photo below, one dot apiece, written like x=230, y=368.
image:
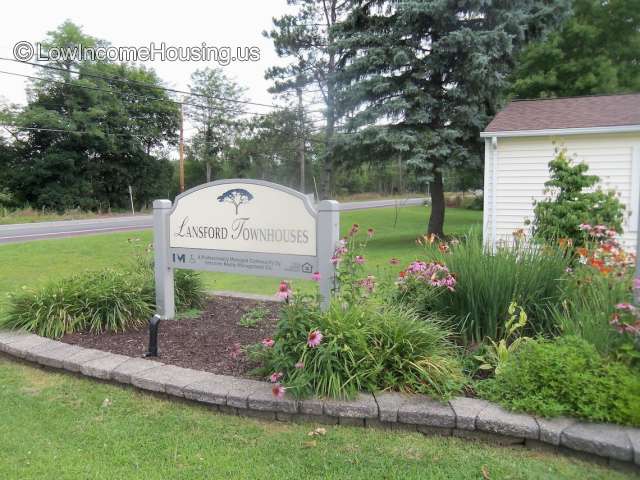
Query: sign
x=243, y=226
x=244, y=217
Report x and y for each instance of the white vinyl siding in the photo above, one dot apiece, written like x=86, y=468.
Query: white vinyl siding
x=522, y=169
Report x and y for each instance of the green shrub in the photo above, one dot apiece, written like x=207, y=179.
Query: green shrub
x=487, y=283
x=95, y=301
x=561, y=216
x=363, y=348
x=566, y=376
x=588, y=305
x=189, y=290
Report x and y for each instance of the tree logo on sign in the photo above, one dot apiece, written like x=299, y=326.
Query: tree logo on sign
x=236, y=196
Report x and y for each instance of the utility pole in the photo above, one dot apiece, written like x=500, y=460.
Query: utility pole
x=181, y=148
x=301, y=138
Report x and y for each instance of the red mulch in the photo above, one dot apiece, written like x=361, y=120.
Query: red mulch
x=211, y=342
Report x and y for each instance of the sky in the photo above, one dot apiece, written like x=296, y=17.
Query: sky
x=185, y=23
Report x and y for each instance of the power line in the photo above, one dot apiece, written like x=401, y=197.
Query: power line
x=144, y=97
x=60, y=130
x=116, y=78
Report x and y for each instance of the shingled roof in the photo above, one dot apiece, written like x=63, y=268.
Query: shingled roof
x=572, y=112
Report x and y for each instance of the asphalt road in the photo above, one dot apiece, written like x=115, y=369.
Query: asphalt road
x=71, y=228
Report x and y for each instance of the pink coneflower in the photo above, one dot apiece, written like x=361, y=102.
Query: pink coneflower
x=636, y=283
x=370, y=232
x=368, y=283
x=275, y=376
x=314, y=338
x=354, y=229
x=284, y=291
x=299, y=365
x=626, y=307
x=359, y=259
x=394, y=261
x=315, y=276
x=584, y=227
x=278, y=390
x=268, y=342
x=335, y=260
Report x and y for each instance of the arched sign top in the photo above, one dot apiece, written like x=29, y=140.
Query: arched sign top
x=244, y=215
x=245, y=181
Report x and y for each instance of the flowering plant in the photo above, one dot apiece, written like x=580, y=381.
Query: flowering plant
x=350, y=261
x=626, y=321
x=434, y=274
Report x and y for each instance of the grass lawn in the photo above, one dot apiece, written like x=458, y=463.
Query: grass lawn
x=58, y=426
x=32, y=264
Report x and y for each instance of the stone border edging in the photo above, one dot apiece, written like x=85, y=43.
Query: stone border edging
x=461, y=416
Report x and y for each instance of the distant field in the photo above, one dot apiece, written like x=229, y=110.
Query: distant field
x=35, y=216
x=34, y=263
x=30, y=215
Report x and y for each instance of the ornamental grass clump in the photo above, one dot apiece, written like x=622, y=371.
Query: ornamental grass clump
x=97, y=301
x=93, y=301
x=358, y=347
x=485, y=283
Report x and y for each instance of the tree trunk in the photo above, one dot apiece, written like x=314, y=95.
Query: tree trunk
x=327, y=173
x=301, y=139
x=436, y=220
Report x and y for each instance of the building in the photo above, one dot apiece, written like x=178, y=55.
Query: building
x=602, y=131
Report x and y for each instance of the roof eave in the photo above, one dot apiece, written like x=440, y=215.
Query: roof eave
x=561, y=131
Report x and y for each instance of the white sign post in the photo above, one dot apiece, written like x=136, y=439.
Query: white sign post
x=249, y=227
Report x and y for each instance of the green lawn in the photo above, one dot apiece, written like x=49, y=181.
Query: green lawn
x=34, y=263
x=58, y=426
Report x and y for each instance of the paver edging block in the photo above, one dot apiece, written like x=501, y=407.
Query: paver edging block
x=55, y=358
x=363, y=406
x=124, y=372
x=494, y=419
x=463, y=417
x=103, y=367
x=467, y=410
x=263, y=399
x=212, y=390
x=421, y=410
x=601, y=439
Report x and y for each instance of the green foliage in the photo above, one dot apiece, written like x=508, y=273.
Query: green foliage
x=498, y=353
x=253, y=317
x=561, y=216
x=364, y=348
x=424, y=77
x=93, y=169
x=486, y=284
x=95, y=301
x=566, y=376
x=104, y=300
x=596, y=51
x=588, y=304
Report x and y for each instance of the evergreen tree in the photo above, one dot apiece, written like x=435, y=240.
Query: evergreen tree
x=596, y=51
x=420, y=78
x=307, y=38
